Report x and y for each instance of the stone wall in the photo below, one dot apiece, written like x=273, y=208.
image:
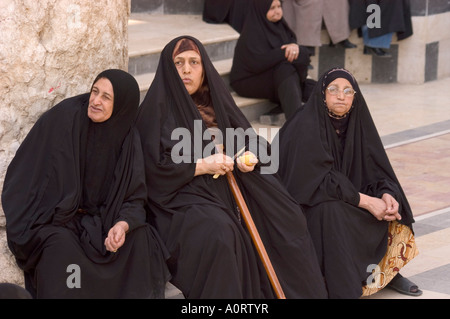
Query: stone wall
x=50, y=50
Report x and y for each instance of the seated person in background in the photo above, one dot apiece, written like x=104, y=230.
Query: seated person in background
x=212, y=254
x=74, y=198
x=268, y=63
x=333, y=163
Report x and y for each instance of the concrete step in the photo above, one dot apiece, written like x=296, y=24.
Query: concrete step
x=149, y=33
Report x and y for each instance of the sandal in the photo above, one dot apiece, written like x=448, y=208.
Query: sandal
x=404, y=286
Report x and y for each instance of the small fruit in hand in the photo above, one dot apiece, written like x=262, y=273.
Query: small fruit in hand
x=248, y=159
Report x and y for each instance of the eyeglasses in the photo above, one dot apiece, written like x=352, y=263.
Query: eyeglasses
x=333, y=90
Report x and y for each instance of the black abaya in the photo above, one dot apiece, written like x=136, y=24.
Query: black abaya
x=325, y=175
x=212, y=255
x=260, y=67
x=70, y=181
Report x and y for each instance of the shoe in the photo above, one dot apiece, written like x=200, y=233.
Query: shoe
x=404, y=286
x=376, y=52
x=346, y=44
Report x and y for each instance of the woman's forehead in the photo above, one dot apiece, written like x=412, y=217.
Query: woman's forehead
x=340, y=82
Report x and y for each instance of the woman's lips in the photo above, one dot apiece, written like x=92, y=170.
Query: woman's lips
x=95, y=109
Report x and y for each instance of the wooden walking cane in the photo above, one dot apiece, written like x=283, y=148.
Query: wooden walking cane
x=255, y=235
x=252, y=229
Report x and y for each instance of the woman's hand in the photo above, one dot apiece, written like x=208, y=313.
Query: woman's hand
x=292, y=51
x=116, y=236
x=214, y=164
x=391, y=205
x=379, y=208
x=246, y=163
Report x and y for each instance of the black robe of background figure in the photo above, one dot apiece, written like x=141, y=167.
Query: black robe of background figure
x=70, y=181
x=212, y=255
x=325, y=172
x=395, y=17
x=232, y=12
x=260, y=68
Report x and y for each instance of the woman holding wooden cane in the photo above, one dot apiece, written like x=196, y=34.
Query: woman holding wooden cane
x=212, y=254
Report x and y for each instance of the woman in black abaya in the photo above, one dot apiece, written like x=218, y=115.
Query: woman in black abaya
x=212, y=255
x=268, y=63
x=74, y=198
x=333, y=163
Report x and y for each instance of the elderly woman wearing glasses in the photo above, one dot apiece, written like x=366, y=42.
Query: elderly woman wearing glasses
x=333, y=163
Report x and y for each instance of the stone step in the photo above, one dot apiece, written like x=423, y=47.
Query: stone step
x=149, y=33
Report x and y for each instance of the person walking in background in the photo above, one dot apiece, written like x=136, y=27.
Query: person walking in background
x=333, y=163
x=307, y=17
x=394, y=18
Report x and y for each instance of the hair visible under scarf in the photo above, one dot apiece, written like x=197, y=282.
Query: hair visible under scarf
x=185, y=45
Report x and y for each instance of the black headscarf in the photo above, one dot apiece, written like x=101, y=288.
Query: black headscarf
x=104, y=140
x=316, y=166
x=68, y=162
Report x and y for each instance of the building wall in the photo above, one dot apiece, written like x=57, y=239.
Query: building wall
x=50, y=50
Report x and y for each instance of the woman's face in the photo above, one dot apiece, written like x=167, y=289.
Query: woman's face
x=275, y=12
x=101, y=101
x=340, y=103
x=190, y=69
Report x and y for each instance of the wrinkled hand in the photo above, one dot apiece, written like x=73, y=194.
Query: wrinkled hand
x=116, y=236
x=246, y=164
x=391, y=206
x=214, y=164
x=385, y=208
x=292, y=51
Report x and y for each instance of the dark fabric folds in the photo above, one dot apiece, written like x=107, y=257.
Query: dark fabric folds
x=68, y=163
x=232, y=12
x=395, y=17
x=325, y=174
x=212, y=255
